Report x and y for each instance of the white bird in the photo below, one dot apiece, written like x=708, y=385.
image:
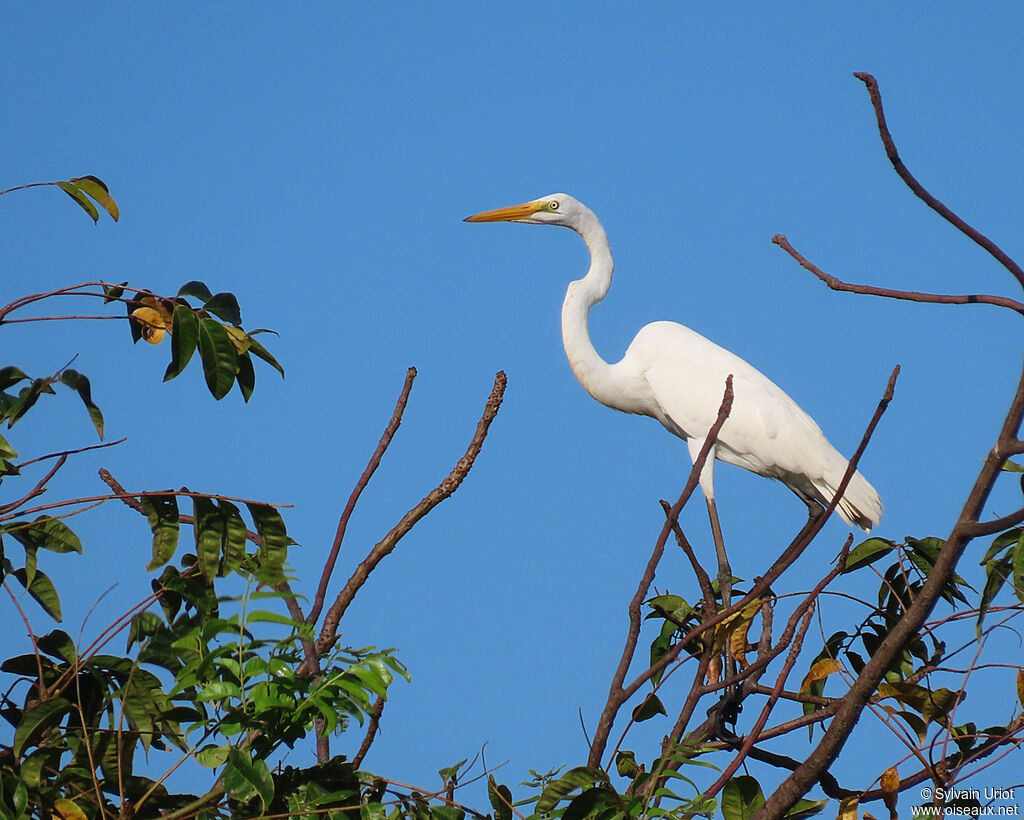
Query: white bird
x=676, y=376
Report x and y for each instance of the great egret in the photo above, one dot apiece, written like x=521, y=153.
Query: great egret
x=676, y=376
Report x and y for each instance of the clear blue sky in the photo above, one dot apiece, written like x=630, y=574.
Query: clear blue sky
x=317, y=160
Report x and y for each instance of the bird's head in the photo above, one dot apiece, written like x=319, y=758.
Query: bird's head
x=554, y=209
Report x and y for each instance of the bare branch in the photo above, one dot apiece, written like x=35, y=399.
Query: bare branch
x=890, y=293
x=329, y=631
x=37, y=490
x=364, y=479
x=371, y=732
x=703, y=579
x=919, y=189
x=128, y=498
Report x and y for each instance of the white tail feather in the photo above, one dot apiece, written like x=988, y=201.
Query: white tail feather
x=860, y=504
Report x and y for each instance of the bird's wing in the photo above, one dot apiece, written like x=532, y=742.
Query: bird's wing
x=766, y=432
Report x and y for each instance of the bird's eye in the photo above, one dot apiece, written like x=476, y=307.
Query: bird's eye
x=553, y=205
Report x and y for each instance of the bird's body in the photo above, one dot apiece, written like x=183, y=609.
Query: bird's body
x=677, y=376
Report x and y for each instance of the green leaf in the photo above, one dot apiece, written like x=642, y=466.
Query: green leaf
x=966, y=735
x=42, y=589
x=111, y=293
x=19, y=800
x=219, y=690
x=235, y=534
x=261, y=351
x=196, y=289
x=1018, y=571
x=58, y=644
x=224, y=306
x=80, y=384
x=741, y=797
x=557, y=790
x=274, y=540
x=220, y=361
x=144, y=625
x=35, y=762
x=96, y=188
x=805, y=808
x=626, y=765
x=1001, y=542
x=162, y=514
x=591, y=800
x=263, y=616
x=436, y=813
x=500, y=798
x=184, y=338
x=27, y=397
x=651, y=706
x=212, y=756
x=997, y=572
x=7, y=467
x=867, y=552
x=76, y=194
x=10, y=376
x=451, y=772
x=45, y=533
x=245, y=779
x=246, y=376
x=35, y=721
x=918, y=724
x=208, y=527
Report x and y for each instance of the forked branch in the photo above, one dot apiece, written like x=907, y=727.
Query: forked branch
x=890, y=293
x=919, y=190
x=329, y=630
x=364, y=479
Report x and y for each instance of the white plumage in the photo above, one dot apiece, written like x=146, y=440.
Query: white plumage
x=676, y=376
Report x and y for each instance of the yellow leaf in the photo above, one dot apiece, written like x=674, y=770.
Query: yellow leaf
x=1020, y=686
x=239, y=338
x=848, y=808
x=739, y=627
x=820, y=669
x=154, y=323
x=714, y=673
x=890, y=784
x=65, y=809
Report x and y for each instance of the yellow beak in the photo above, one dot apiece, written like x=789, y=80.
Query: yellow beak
x=507, y=214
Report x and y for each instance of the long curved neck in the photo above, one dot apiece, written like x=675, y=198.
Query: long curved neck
x=593, y=372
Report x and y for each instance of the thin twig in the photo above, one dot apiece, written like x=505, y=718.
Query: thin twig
x=329, y=630
x=60, y=453
x=144, y=494
x=919, y=190
x=364, y=479
x=890, y=293
x=37, y=490
x=371, y=732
